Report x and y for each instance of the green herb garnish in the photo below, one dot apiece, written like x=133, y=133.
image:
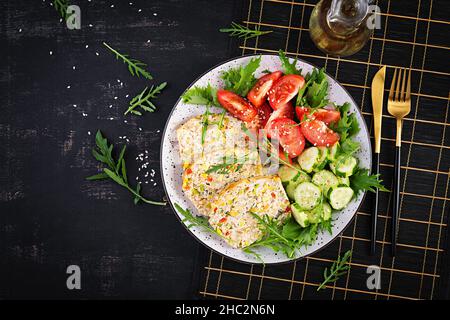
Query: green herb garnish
x=241, y=79
x=361, y=181
x=116, y=170
x=241, y=31
x=313, y=94
x=191, y=220
x=348, y=125
x=135, y=67
x=143, y=100
x=206, y=96
x=227, y=166
x=338, y=268
x=288, y=68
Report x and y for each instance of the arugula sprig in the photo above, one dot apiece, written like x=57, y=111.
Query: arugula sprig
x=241, y=31
x=144, y=100
x=206, y=96
x=348, y=125
x=191, y=220
x=234, y=164
x=288, y=67
x=116, y=170
x=241, y=79
x=338, y=269
x=362, y=181
x=135, y=67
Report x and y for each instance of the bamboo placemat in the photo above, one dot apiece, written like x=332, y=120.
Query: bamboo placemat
x=413, y=34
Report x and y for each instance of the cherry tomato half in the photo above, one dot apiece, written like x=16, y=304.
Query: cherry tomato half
x=236, y=105
x=258, y=94
x=284, y=90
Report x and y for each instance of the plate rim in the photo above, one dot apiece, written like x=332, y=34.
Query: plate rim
x=174, y=211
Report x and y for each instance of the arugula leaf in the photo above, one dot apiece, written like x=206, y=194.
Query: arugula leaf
x=348, y=147
x=116, y=171
x=135, y=67
x=313, y=94
x=361, y=181
x=206, y=96
x=301, y=236
x=242, y=31
x=227, y=165
x=339, y=268
x=143, y=100
x=288, y=67
x=348, y=125
x=241, y=79
x=191, y=220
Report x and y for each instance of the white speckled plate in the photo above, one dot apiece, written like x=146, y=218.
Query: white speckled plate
x=171, y=169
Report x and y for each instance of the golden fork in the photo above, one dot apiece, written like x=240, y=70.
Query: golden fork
x=399, y=105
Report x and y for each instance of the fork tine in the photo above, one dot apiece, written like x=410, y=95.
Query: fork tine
x=408, y=86
x=391, y=91
x=403, y=93
x=399, y=80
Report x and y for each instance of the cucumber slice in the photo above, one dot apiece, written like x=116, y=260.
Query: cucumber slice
x=323, y=159
x=290, y=188
x=326, y=214
x=307, y=195
x=345, y=181
x=333, y=152
x=309, y=158
x=326, y=180
x=314, y=216
x=299, y=215
x=288, y=174
x=340, y=197
x=345, y=167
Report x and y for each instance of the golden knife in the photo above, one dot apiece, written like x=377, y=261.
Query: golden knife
x=377, y=105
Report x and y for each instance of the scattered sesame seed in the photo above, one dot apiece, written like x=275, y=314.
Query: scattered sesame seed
x=89, y=133
x=68, y=87
x=51, y=52
x=73, y=67
x=97, y=54
x=139, y=10
x=20, y=30
x=87, y=46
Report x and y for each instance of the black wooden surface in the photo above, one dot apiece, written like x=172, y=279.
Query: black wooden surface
x=50, y=216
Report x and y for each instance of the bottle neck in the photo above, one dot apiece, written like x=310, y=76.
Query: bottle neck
x=345, y=16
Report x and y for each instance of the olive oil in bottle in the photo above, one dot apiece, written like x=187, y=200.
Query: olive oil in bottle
x=339, y=27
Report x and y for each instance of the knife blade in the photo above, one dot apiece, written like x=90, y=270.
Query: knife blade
x=377, y=105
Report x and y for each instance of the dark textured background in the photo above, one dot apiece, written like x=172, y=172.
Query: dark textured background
x=51, y=217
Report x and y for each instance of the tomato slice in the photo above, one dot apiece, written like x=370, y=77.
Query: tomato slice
x=285, y=89
x=301, y=112
x=236, y=105
x=259, y=122
x=286, y=111
x=258, y=94
x=327, y=116
x=290, y=136
x=317, y=132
